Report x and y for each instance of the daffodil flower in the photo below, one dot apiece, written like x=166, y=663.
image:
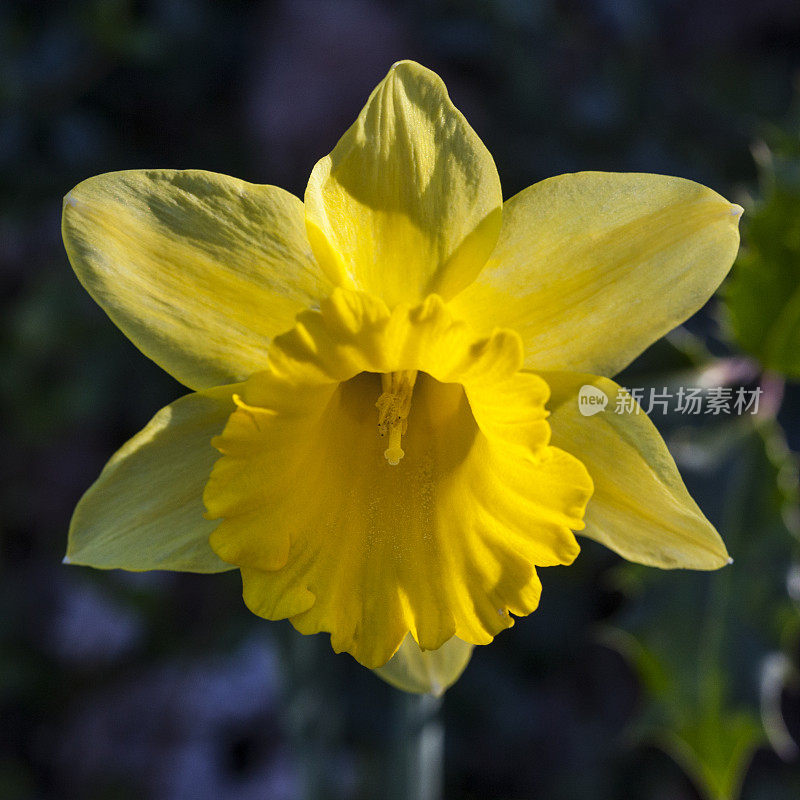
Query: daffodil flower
x=383, y=434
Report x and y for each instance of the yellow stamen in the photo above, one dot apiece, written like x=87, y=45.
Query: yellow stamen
x=393, y=406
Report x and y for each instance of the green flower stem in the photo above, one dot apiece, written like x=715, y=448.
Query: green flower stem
x=417, y=769
x=313, y=715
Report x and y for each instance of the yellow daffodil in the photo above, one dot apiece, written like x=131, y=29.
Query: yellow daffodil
x=368, y=437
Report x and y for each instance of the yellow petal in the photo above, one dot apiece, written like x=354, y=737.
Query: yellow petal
x=640, y=507
x=593, y=267
x=199, y=270
x=408, y=203
x=426, y=671
x=145, y=511
x=330, y=535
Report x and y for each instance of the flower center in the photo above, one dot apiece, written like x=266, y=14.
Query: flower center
x=393, y=406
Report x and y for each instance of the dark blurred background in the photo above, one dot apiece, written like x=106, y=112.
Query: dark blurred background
x=163, y=686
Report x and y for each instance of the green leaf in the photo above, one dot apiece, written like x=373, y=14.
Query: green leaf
x=763, y=294
x=699, y=641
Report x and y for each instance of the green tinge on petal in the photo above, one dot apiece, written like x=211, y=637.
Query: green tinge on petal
x=640, y=507
x=146, y=511
x=426, y=671
x=592, y=267
x=199, y=270
x=409, y=201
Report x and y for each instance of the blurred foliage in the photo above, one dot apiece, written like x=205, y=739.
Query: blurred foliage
x=763, y=295
x=703, y=649
x=717, y=657
x=163, y=686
